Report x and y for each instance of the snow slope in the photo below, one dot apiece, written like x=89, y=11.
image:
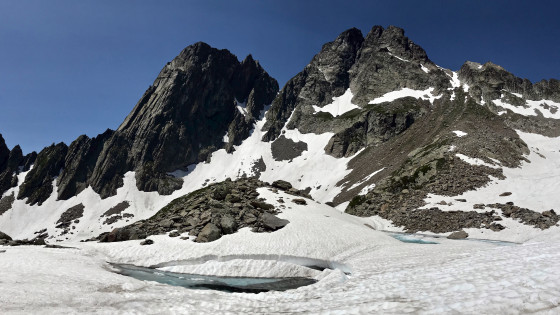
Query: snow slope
x=339, y=106
x=533, y=185
x=406, y=92
x=383, y=274
x=548, y=108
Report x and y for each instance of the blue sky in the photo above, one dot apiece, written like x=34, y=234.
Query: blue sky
x=70, y=67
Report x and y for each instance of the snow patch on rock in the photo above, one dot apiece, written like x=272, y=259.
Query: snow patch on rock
x=340, y=105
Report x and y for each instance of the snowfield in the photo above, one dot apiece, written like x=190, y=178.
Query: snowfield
x=371, y=272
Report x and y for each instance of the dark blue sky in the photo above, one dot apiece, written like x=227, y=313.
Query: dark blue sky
x=71, y=67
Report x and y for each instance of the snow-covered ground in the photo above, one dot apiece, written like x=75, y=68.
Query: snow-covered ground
x=315, y=169
x=548, y=108
x=340, y=105
x=406, y=92
x=533, y=185
x=371, y=272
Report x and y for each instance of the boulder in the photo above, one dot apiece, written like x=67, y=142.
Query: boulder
x=458, y=235
x=227, y=222
x=281, y=184
x=299, y=201
x=209, y=233
x=4, y=236
x=273, y=222
x=261, y=205
x=147, y=242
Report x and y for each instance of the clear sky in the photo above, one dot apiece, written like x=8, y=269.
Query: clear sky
x=71, y=67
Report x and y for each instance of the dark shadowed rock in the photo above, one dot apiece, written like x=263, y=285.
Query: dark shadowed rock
x=183, y=116
x=281, y=184
x=228, y=224
x=180, y=120
x=286, y=149
x=273, y=222
x=4, y=153
x=209, y=233
x=69, y=216
x=6, y=203
x=4, y=236
x=117, y=209
x=37, y=186
x=80, y=163
x=147, y=242
x=325, y=77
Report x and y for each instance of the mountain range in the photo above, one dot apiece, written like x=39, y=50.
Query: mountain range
x=370, y=126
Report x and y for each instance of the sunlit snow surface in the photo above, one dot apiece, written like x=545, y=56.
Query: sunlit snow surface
x=548, y=108
x=460, y=133
x=534, y=185
x=384, y=275
x=406, y=92
x=340, y=105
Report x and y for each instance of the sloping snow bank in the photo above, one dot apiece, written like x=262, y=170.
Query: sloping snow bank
x=396, y=278
x=533, y=185
x=405, y=92
x=548, y=108
x=316, y=232
x=340, y=105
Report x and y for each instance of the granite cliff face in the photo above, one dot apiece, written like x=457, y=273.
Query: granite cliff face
x=197, y=99
x=384, y=61
x=11, y=164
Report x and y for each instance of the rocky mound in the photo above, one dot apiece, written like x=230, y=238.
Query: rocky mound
x=211, y=212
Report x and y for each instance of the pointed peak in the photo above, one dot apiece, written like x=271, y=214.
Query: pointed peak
x=351, y=34
x=395, y=30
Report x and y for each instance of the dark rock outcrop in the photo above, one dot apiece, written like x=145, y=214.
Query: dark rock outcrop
x=37, y=186
x=179, y=120
x=284, y=149
x=208, y=214
x=8, y=176
x=489, y=81
x=325, y=77
x=384, y=61
x=80, y=163
x=4, y=236
x=117, y=209
x=6, y=203
x=4, y=153
x=70, y=216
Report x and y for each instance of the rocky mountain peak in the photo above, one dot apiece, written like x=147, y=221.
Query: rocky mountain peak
x=197, y=98
x=352, y=36
x=4, y=153
x=384, y=61
x=489, y=81
x=393, y=41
